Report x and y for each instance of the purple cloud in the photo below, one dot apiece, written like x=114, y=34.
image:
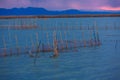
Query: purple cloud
x=114, y=3
x=14, y=3
x=60, y=4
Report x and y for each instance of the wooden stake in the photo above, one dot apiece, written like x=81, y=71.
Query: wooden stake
x=38, y=48
x=115, y=26
x=55, y=45
x=35, y=23
x=61, y=40
x=94, y=34
x=48, y=41
x=9, y=36
x=32, y=43
x=84, y=42
x=91, y=43
x=116, y=44
x=4, y=43
x=66, y=39
x=17, y=47
x=75, y=37
x=106, y=27
x=97, y=35
x=36, y=55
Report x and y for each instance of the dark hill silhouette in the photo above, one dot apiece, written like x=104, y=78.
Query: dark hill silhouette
x=42, y=11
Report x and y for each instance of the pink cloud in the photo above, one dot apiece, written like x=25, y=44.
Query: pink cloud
x=110, y=8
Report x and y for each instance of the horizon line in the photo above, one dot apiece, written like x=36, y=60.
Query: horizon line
x=58, y=9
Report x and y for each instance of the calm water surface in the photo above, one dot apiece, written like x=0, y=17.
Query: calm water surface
x=87, y=63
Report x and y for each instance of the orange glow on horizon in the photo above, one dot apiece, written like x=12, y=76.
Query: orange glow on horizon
x=110, y=8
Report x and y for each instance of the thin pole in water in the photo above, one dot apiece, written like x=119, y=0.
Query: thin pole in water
x=4, y=43
x=32, y=48
x=81, y=33
x=84, y=41
x=91, y=44
x=35, y=22
x=48, y=41
x=65, y=34
x=26, y=46
x=36, y=55
x=17, y=47
x=9, y=36
x=94, y=34
x=38, y=48
x=106, y=27
x=116, y=44
x=61, y=40
x=9, y=33
x=32, y=43
x=74, y=36
x=55, y=45
x=81, y=26
x=115, y=28
x=97, y=35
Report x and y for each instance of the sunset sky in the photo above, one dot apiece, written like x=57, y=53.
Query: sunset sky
x=63, y=4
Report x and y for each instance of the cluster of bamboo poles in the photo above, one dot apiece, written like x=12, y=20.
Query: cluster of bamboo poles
x=58, y=45
x=32, y=24
x=18, y=24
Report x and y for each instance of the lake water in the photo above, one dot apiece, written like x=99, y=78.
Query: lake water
x=83, y=63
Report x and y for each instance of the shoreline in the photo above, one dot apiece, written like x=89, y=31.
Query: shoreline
x=60, y=16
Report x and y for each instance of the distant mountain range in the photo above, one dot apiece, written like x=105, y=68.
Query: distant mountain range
x=42, y=11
